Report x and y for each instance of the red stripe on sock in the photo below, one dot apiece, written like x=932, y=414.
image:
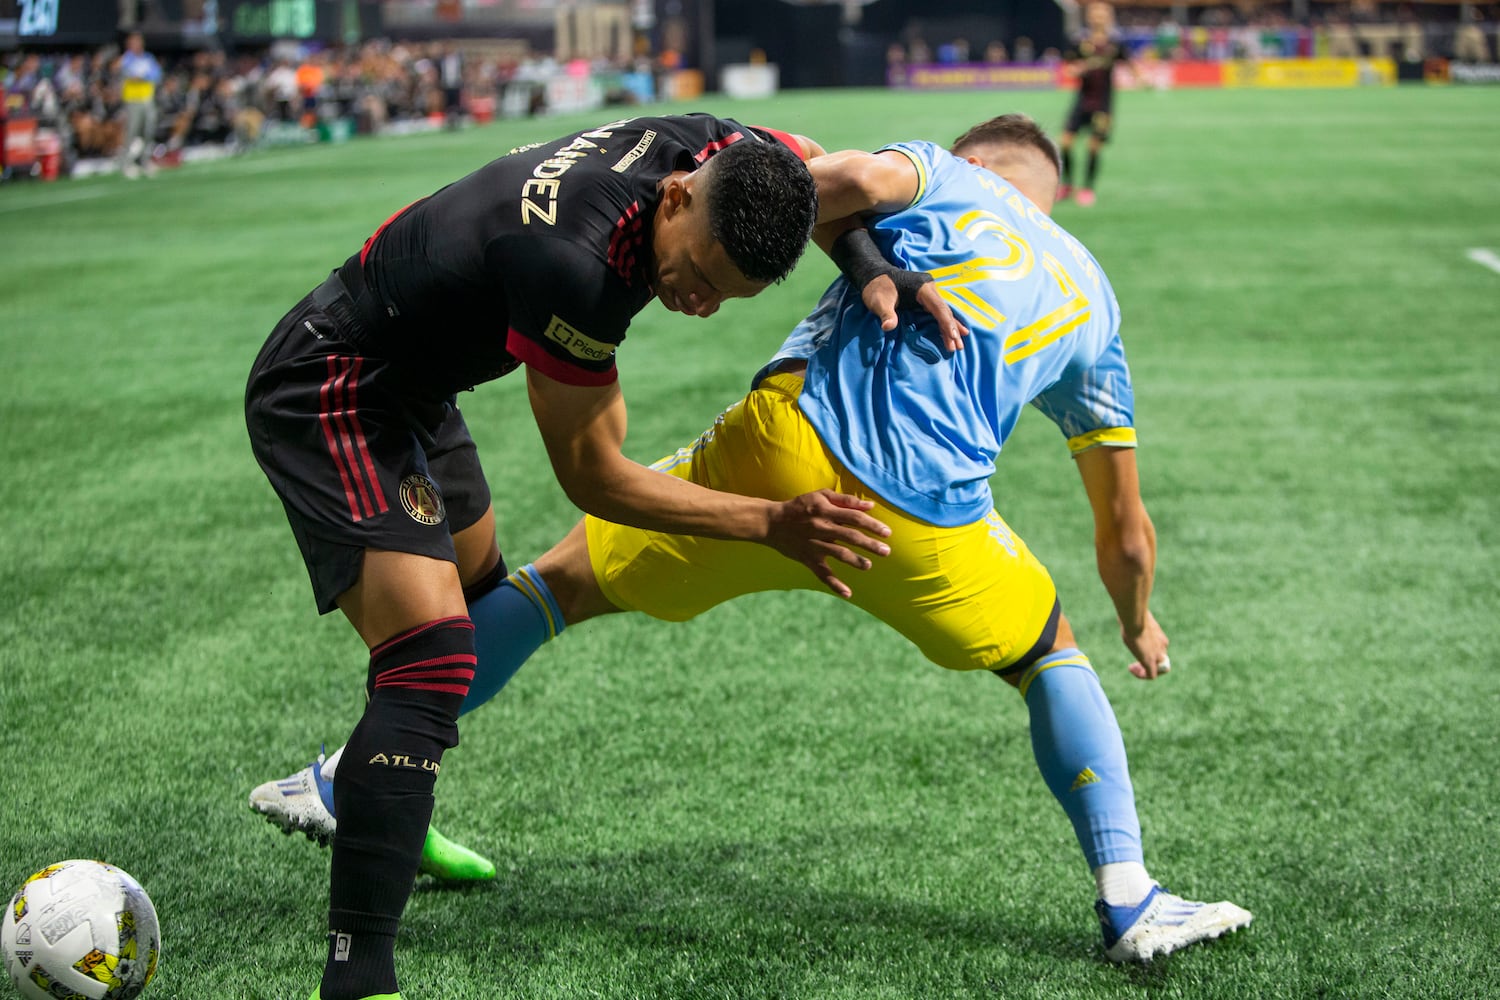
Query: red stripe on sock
x=460, y=667
x=422, y=682
x=459, y=689
x=436, y=661
x=457, y=621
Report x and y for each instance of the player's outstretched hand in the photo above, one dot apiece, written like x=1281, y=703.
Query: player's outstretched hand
x=883, y=297
x=817, y=526
x=1150, y=650
x=953, y=332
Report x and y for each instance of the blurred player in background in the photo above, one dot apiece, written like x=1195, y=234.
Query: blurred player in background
x=140, y=75
x=541, y=257
x=888, y=411
x=1093, y=61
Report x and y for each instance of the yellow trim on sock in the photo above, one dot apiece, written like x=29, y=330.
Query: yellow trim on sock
x=1033, y=671
x=526, y=585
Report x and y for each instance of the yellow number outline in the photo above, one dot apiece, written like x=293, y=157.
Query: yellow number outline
x=953, y=284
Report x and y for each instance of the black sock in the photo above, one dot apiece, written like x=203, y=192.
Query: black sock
x=1092, y=170
x=383, y=798
x=1067, y=170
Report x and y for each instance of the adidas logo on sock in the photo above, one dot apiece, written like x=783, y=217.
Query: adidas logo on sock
x=1085, y=777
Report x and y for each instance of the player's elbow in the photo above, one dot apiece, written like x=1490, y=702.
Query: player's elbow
x=588, y=484
x=584, y=491
x=1127, y=554
x=846, y=184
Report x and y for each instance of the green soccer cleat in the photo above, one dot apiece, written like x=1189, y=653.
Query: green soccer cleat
x=317, y=994
x=450, y=862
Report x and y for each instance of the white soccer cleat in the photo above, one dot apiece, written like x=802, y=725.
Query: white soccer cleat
x=1162, y=923
x=302, y=802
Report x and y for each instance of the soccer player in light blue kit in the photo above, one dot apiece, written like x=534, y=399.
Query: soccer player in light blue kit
x=140, y=74
x=883, y=408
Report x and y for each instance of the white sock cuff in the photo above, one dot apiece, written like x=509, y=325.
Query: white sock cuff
x=1123, y=883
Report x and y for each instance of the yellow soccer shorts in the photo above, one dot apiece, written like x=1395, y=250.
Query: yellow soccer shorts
x=970, y=598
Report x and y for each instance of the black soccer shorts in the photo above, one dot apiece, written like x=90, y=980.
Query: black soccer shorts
x=1096, y=120
x=358, y=462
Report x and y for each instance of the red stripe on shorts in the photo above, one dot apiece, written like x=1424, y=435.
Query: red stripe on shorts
x=338, y=369
x=359, y=438
x=331, y=437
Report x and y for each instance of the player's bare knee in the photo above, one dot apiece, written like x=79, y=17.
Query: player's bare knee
x=569, y=574
x=1065, y=638
x=1062, y=638
x=478, y=552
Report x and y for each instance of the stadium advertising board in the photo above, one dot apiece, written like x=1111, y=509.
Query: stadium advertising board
x=1309, y=73
x=1474, y=73
x=19, y=144
x=1165, y=75
x=975, y=76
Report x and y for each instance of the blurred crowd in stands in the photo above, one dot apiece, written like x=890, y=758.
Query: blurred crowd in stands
x=237, y=101
x=212, y=99
x=1404, y=31
x=1249, y=30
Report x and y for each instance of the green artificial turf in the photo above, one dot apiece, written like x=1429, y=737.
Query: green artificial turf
x=782, y=799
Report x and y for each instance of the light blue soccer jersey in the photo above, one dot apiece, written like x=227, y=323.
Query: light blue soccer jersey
x=921, y=428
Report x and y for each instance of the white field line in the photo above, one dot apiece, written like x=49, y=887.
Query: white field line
x=1484, y=257
x=60, y=197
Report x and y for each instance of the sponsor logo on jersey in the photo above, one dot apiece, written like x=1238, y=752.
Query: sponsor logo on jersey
x=421, y=500
x=578, y=343
x=636, y=153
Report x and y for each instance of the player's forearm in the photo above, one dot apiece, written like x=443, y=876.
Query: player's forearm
x=631, y=494
x=1127, y=565
x=825, y=234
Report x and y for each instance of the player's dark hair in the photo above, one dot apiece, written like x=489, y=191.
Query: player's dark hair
x=762, y=205
x=1008, y=130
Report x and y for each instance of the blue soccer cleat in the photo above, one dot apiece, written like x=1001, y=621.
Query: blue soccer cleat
x=1162, y=923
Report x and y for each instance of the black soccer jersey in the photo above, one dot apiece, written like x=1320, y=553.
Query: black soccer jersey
x=539, y=257
x=1096, y=77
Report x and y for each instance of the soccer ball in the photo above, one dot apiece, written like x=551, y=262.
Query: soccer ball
x=80, y=930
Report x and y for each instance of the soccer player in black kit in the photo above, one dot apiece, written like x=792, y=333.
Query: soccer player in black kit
x=1094, y=61
x=540, y=258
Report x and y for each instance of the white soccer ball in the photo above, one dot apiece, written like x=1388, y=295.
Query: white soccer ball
x=80, y=930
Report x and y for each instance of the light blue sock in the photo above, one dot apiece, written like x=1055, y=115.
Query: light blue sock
x=510, y=623
x=1081, y=756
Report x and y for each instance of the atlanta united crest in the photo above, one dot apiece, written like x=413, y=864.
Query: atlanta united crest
x=421, y=499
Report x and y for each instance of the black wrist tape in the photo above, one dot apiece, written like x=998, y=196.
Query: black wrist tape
x=857, y=256
x=907, y=284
